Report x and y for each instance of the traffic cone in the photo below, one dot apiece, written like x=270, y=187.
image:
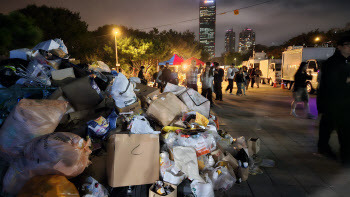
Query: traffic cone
x=275, y=84
x=282, y=85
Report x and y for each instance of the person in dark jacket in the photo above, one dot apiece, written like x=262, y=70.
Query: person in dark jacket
x=252, y=77
x=333, y=100
x=218, y=76
x=166, y=75
x=141, y=76
x=240, y=80
x=300, y=93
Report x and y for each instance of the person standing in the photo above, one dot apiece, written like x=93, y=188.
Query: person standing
x=258, y=74
x=141, y=76
x=207, y=79
x=218, y=76
x=333, y=98
x=230, y=76
x=252, y=77
x=166, y=75
x=240, y=82
x=192, y=75
x=300, y=93
x=159, y=79
x=248, y=77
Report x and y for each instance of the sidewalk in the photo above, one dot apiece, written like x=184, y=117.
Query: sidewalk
x=291, y=142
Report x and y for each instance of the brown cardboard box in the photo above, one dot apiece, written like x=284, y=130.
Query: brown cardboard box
x=231, y=160
x=135, y=107
x=217, y=155
x=132, y=159
x=146, y=94
x=154, y=194
x=166, y=108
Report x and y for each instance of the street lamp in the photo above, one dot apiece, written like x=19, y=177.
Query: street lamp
x=116, y=49
x=317, y=39
x=235, y=62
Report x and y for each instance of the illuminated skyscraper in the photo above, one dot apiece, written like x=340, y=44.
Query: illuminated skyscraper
x=230, y=41
x=207, y=18
x=246, y=40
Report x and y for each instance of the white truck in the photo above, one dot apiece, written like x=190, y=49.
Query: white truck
x=271, y=71
x=314, y=57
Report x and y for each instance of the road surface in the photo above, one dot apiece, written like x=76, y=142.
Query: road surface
x=290, y=141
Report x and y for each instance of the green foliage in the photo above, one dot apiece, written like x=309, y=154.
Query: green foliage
x=229, y=58
x=61, y=23
x=17, y=31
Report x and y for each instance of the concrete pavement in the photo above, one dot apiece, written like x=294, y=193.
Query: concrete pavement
x=290, y=141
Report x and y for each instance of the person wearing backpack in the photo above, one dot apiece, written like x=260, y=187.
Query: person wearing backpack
x=230, y=76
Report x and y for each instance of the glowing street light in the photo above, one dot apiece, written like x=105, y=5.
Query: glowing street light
x=235, y=61
x=317, y=39
x=116, y=48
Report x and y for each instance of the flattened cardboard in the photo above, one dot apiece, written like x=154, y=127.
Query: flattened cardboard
x=132, y=159
x=253, y=146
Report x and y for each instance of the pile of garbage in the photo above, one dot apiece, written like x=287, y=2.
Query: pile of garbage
x=109, y=135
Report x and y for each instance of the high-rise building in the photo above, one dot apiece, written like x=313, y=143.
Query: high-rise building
x=230, y=41
x=207, y=18
x=246, y=40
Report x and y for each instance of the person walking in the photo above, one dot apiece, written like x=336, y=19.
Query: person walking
x=192, y=75
x=246, y=78
x=166, y=75
x=207, y=79
x=258, y=74
x=240, y=82
x=218, y=76
x=141, y=76
x=230, y=76
x=300, y=93
x=333, y=100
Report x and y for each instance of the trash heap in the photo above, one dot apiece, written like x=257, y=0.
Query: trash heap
x=109, y=135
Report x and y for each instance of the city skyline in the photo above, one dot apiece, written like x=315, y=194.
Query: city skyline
x=207, y=21
x=246, y=40
x=230, y=41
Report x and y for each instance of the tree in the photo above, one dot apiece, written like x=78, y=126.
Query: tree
x=61, y=23
x=230, y=57
x=17, y=31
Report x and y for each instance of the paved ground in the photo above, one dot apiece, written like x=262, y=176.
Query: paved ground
x=290, y=141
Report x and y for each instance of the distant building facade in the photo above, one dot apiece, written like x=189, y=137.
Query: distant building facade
x=230, y=41
x=207, y=20
x=246, y=40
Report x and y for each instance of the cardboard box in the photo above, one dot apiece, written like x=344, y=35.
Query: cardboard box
x=146, y=94
x=135, y=107
x=253, y=146
x=166, y=108
x=132, y=159
x=196, y=102
x=154, y=194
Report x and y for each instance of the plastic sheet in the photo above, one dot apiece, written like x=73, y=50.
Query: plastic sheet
x=99, y=66
x=29, y=119
x=49, y=185
x=186, y=160
x=122, y=91
x=59, y=153
x=165, y=163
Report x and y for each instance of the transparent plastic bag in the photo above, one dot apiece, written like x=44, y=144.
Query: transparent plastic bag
x=29, y=119
x=59, y=153
x=140, y=125
x=165, y=163
x=94, y=188
x=221, y=178
x=49, y=185
x=204, y=143
x=202, y=189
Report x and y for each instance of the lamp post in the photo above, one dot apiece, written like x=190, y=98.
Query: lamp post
x=317, y=39
x=235, y=61
x=116, y=49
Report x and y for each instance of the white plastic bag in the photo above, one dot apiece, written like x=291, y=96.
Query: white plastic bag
x=140, y=125
x=186, y=160
x=202, y=189
x=123, y=91
x=174, y=175
x=99, y=66
x=165, y=163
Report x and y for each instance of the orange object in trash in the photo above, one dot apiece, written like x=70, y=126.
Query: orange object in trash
x=236, y=12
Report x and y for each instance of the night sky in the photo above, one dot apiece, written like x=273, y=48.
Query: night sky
x=274, y=22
